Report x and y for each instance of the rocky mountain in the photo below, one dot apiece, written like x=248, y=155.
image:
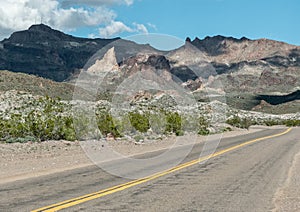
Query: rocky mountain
x=47, y=53
x=222, y=49
x=247, y=71
x=259, y=66
x=51, y=54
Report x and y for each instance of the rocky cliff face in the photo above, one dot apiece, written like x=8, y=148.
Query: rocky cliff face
x=48, y=53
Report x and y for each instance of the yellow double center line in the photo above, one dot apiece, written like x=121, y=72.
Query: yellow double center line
x=121, y=187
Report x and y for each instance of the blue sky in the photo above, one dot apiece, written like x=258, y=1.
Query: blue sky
x=272, y=19
x=277, y=19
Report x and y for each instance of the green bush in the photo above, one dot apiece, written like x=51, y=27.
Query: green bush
x=139, y=121
x=203, y=126
x=107, y=125
x=179, y=133
x=46, y=123
x=271, y=122
x=21, y=140
x=173, y=123
x=236, y=121
x=138, y=138
x=292, y=123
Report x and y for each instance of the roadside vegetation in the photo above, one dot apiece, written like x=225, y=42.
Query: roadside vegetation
x=46, y=123
x=245, y=123
x=48, y=118
x=51, y=119
x=238, y=122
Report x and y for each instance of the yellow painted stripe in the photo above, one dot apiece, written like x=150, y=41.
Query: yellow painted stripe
x=121, y=187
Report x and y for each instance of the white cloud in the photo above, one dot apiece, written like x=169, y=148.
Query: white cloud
x=141, y=28
x=68, y=3
x=64, y=15
x=129, y=2
x=20, y=14
x=117, y=27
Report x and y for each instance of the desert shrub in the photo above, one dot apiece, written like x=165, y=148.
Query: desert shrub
x=236, y=121
x=66, y=131
x=138, y=138
x=37, y=127
x=13, y=127
x=107, y=125
x=46, y=122
x=271, y=122
x=203, y=126
x=292, y=123
x=173, y=123
x=179, y=133
x=139, y=121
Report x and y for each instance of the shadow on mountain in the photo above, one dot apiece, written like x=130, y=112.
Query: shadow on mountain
x=276, y=100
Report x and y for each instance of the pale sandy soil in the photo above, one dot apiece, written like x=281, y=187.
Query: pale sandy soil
x=21, y=161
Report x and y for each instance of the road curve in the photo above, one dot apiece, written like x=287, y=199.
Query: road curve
x=243, y=175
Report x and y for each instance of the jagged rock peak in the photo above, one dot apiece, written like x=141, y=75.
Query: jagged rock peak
x=188, y=39
x=106, y=64
x=220, y=38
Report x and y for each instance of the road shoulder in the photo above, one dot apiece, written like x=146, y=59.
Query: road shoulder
x=287, y=197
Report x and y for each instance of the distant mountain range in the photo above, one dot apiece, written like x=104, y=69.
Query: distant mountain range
x=51, y=54
x=260, y=69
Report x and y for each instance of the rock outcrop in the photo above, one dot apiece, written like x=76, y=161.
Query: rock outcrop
x=106, y=64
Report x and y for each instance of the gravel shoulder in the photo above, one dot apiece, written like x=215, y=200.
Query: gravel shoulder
x=287, y=197
x=21, y=161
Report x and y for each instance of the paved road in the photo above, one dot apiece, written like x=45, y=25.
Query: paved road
x=242, y=179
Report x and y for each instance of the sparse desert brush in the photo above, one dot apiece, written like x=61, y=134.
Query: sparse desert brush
x=292, y=123
x=203, y=125
x=140, y=121
x=46, y=122
x=174, y=123
x=272, y=122
x=236, y=121
x=107, y=125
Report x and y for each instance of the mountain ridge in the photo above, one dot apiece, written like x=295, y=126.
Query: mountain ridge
x=49, y=53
